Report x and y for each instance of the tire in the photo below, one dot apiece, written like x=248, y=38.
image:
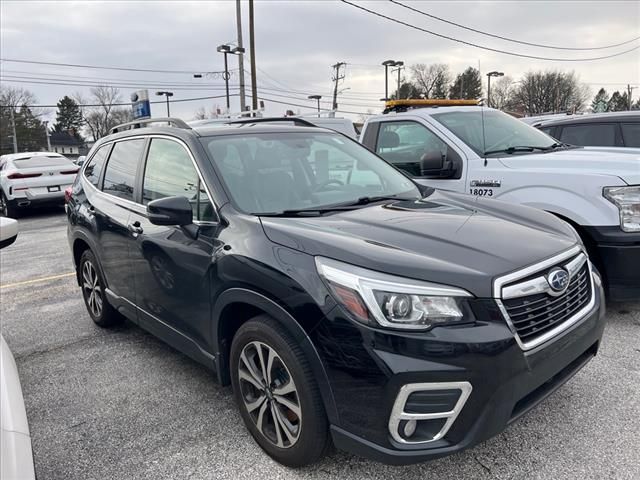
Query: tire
x=93, y=285
x=7, y=209
x=301, y=437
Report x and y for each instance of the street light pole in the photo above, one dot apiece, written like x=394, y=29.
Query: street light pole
x=489, y=75
x=400, y=67
x=167, y=95
x=225, y=49
x=387, y=64
x=316, y=97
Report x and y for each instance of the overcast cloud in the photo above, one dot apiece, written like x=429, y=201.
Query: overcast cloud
x=298, y=41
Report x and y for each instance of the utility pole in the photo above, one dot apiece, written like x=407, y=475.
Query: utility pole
x=46, y=131
x=630, y=90
x=240, y=56
x=252, y=47
x=336, y=79
x=13, y=126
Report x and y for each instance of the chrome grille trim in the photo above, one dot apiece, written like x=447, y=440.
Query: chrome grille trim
x=534, y=287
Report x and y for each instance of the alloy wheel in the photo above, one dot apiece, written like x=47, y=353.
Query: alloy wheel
x=92, y=289
x=269, y=394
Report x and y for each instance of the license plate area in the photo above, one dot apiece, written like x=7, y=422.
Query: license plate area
x=55, y=188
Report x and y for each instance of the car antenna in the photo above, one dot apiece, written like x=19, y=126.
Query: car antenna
x=484, y=139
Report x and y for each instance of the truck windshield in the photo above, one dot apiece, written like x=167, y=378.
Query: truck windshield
x=502, y=134
x=278, y=173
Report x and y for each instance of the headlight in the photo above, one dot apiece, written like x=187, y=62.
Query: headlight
x=627, y=199
x=379, y=299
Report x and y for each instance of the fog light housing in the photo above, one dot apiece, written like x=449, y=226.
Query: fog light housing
x=424, y=412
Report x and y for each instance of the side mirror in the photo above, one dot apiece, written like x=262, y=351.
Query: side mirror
x=8, y=231
x=170, y=211
x=436, y=165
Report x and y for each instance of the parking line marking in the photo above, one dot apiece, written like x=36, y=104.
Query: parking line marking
x=37, y=280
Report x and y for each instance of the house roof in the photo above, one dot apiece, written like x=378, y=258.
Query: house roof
x=64, y=138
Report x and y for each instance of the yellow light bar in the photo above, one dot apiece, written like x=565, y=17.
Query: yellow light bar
x=428, y=102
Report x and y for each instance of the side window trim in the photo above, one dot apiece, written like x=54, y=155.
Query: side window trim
x=143, y=167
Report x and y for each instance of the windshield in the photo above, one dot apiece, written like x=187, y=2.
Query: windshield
x=501, y=132
x=276, y=172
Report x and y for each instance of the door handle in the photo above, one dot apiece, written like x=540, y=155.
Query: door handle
x=135, y=228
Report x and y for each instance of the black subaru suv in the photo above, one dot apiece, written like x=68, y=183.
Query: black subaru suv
x=344, y=303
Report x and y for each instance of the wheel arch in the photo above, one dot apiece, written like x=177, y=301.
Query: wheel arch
x=236, y=306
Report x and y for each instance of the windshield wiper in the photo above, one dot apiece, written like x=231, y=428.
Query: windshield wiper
x=379, y=198
x=315, y=211
x=523, y=148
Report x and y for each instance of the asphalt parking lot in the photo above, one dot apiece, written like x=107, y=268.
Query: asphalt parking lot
x=119, y=404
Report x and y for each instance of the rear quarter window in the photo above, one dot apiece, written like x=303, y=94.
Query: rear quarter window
x=120, y=173
x=94, y=168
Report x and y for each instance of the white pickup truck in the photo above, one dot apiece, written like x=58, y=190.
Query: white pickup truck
x=484, y=152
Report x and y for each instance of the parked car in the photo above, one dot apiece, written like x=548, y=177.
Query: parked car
x=399, y=322
x=32, y=179
x=487, y=153
x=16, y=456
x=612, y=129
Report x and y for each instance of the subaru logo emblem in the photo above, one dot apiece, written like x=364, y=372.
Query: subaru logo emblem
x=558, y=279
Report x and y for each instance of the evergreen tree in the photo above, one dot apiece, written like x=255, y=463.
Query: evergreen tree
x=618, y=102
x=30, y=131
x=600, y=102
x=407, y=90
x=471, y=85
x=69, y=117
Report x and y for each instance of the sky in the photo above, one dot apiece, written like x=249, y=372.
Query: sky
x=297, y=42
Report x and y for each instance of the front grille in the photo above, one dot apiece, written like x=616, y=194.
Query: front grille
x=534, y=315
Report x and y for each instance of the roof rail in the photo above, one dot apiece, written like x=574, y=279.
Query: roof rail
x=410, y=103
x=137, y=123
x=295, y=120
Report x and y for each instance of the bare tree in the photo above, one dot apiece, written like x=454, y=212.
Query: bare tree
x=551, y=91
x=432, y=80
x=101, y=110
x=502, y=92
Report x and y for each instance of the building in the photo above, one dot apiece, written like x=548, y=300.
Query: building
x=66, y=144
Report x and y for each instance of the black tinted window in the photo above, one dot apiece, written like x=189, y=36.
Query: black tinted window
x=631, y=134
x=170, y=172
x=590, y=135
x=120, y=174
x=96, y=165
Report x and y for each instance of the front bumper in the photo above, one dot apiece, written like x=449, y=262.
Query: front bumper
x=506, y=381
x=619, y=260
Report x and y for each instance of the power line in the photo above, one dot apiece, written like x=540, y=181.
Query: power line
x=506, y=38
x=514, y=54
x=100, y=67
x=123, y=104
x=48, y=81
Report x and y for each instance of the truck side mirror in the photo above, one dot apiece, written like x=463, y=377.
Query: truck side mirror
x=436, y=165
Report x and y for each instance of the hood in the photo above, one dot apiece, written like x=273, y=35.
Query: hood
x=446, y=238
x=623, y=163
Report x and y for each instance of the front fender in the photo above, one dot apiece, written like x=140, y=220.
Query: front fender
x=277, y=312
x=579, y=207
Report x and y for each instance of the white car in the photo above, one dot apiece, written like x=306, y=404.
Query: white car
x=33, y=178
x=16, y=456
x=452, y=145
